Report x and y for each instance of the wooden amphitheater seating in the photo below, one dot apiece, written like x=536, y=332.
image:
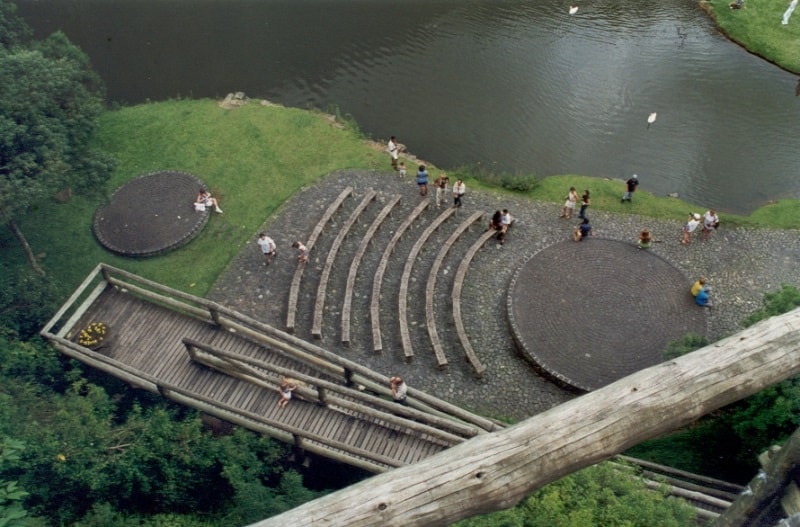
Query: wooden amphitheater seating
x=377, y=340
x=458, y=284
x=402, y=308
x=319, y=303
x=347, y=305
x=294, y=290
x=430, y=289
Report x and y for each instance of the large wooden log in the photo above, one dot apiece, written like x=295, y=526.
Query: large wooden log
x=494, y=471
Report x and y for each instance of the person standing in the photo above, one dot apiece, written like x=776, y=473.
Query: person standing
x=631, y=188
x=422, y=180
x=394, y=151
x=399, y=390
x=585, y=202
x=441, y=187
x=458, y=192
x=710, y=223
x=689, y=228
x=268, y=247
x=569, y=205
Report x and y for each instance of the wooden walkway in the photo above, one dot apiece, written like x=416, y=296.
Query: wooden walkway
x=206, y=356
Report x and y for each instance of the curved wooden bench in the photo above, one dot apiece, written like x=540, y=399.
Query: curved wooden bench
x=294, y=290
x=430, y=288
x=319, y=303
x=351, y=276
x=402, y=306
x=457, y=286
x=375, y=304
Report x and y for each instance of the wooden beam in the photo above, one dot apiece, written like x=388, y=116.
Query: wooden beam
x=495, y=471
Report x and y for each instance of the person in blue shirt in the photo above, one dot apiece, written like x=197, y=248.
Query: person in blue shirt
x=586, y=228
x=702, y=299
x=422, y=180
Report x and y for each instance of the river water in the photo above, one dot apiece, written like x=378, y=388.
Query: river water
x=515, y=86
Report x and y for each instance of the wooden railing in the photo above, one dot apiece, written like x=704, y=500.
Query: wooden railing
x=213, y=313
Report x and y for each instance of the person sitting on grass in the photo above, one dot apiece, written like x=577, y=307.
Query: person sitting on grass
x=204, y=199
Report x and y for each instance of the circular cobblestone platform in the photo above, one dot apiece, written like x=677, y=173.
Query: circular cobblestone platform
x=151, y=214
x=590, y=313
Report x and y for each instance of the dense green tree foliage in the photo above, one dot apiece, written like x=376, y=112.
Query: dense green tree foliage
x=86, y=446
x=600, y=495
x=49, y=101
x=13, y=29
x=726, y=444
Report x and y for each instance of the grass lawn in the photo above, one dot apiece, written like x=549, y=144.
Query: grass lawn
x=254, y=158
x=757, y=26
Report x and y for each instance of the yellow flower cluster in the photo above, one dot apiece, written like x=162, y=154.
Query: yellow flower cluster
x=93, y=334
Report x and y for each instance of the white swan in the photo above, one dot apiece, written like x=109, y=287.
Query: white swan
x=573, y=9
x=652, y=118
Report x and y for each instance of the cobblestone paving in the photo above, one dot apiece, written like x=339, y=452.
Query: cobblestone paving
x=740, y=264
x=590, y=313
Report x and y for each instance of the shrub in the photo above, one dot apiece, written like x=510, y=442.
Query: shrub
x=687, y=344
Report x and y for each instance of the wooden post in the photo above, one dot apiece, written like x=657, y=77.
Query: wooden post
x=213, y=310
x=765, y=490
x=321, y=396
x=494, y=471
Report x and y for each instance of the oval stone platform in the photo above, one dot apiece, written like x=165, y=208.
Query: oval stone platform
x=151, y=214
x=589, y=313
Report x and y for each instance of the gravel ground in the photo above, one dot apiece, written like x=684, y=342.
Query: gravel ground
x=740, y=265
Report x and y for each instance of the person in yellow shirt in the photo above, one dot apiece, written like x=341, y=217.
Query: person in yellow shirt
x=697, y=286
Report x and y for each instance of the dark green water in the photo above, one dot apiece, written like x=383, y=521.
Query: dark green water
x=512, y=85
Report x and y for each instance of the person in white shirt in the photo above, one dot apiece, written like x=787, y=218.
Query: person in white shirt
x=399, y=389
x=268, y=247
x=458, y=192
x=689, y=228
x=505, y=222
x=394, y=151
x=710, y=222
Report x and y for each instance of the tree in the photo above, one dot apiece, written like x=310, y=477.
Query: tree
x=49, y=101
x=13, y=29
x=494, y=471
x=598, y=495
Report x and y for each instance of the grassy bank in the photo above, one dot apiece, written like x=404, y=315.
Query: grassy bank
x=757, y=26
x=254, y=158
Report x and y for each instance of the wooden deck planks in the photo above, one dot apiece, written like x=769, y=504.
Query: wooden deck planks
x=148, y=337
